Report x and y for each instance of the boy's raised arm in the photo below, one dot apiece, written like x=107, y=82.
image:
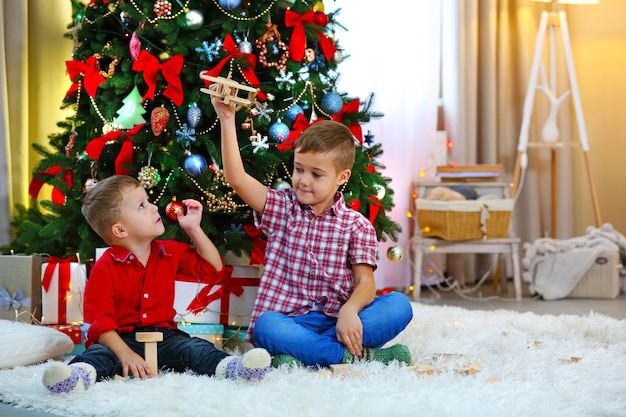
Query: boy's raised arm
x=252, y=191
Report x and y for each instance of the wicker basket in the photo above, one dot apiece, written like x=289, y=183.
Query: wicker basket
x=464, y=220
x=601, y=280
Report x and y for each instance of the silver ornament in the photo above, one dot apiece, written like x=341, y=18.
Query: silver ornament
x=90, y=183
x=338, y=56
x=281, y=185
x=245, y=46
x=395, y=253
x=194, y=19
x=193, y=115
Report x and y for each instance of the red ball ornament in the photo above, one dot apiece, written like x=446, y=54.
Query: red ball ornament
x=173, y=208
x=355, y=204
x=158, y=120
x=370, y=168
x=320, y=18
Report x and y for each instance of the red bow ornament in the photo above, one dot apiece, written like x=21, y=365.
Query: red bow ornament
x=355, y=127
x=170, y=70
x=95, y=146
x=297, y=44
x=57, y=196
x=299, y=126
x=248, y=70
x=91, y=75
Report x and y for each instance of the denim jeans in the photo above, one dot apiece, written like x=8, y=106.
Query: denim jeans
x=312, y=337
x=177, y=352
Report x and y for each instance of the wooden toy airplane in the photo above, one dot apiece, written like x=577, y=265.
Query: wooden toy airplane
x=228, y=91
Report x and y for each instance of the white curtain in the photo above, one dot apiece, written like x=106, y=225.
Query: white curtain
x=395, y=53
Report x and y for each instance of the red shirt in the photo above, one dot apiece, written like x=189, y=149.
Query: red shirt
x=121, y=294
x=308, y=257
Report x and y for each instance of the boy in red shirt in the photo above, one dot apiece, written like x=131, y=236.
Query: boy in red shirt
x=131, y=289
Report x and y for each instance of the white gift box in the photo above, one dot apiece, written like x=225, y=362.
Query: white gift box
x=63, y=286
x=229, y=304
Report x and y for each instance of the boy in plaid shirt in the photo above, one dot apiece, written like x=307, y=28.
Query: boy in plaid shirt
x=317, y=301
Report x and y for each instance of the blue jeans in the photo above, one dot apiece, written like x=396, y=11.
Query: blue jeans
x=177, y=352
x=312, y=337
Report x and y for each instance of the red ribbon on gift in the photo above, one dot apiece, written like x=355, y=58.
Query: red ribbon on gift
x=91, y=75
x=355, y=127
x=229, y=285
x=259, y=242
x=57, y=196
x=65, y=278
x=95, y=146
x=299, y=126
x=170, y=70
x=235, y=286
x=297, y=44
x=248, y=70
x=203, y=298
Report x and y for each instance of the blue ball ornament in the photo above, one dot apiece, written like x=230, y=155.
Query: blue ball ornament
x=229, y=4
x=332, y=103
x=279, y=131
x=195, y=164
x=292, y=112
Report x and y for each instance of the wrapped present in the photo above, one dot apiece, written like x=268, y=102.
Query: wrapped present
x=211, y=332
x=20, y=287
x=75, y=332
x=100, y=252
x=234, y=339
x=230, y=304
x=63, y=286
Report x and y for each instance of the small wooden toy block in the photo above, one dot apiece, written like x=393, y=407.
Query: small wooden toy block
x=150, y=340
x=228, y=91
x=422, y=369
x=572, y=359
x=345, y=370
x=471, y=368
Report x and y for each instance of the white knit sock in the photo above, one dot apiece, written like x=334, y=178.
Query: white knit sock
x=252, y=366
x=61, y=378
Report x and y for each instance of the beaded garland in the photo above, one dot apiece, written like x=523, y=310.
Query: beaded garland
x=281, y=63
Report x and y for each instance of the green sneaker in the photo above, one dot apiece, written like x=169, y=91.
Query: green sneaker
x=284, y=359
x=398, y=352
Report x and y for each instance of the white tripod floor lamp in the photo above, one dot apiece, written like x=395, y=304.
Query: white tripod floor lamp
x=550, y=134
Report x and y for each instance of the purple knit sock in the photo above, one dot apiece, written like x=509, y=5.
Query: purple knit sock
x=235, y=369
x=69, y=384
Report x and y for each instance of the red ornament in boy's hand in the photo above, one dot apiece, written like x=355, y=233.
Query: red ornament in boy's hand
x=172, y=209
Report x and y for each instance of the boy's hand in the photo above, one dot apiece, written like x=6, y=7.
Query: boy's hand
x=134, y=365
x=350, y=331
x=192, y=216
x=224, y=111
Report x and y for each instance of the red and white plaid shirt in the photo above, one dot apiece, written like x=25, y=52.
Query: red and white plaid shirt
x=310, y=257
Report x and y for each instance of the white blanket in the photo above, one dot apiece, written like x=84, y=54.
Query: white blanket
x=554, y=267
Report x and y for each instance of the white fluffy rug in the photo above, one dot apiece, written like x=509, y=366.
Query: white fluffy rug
x=520, y=364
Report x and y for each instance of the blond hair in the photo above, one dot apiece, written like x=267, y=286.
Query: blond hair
x=329, y=136
x=101, y=206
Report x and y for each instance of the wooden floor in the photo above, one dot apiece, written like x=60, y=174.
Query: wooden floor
x=485, y=297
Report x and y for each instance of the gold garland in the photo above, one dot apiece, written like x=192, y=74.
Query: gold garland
x=212, y=202
x=184, y=9
x=242, y=19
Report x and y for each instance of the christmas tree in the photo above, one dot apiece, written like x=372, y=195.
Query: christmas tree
x=139, y=74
